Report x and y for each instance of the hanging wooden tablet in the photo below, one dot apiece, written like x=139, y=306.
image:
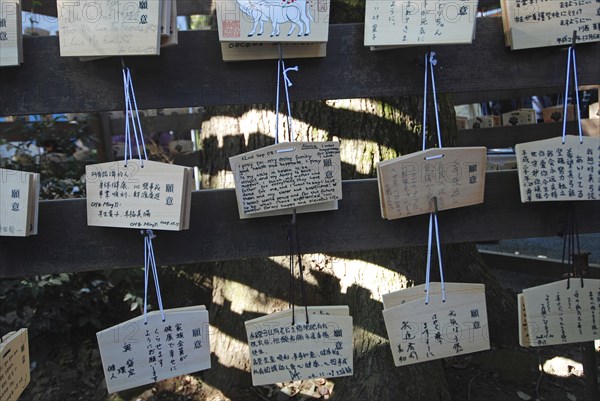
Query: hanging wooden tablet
x=134, y=353
x=11, y=39
x=273, y=20
x=278, y=178
x=407, y=184
x=552, y=171
x=390, y=23
x=281, y=351
x=155, y=196
x=14, y=365
x=19, y=200
x=549, y=23
x=244, y=51
x=171, y=37
x=109, y=28
x=557, y=315
x=421, y=332
x=524, y=340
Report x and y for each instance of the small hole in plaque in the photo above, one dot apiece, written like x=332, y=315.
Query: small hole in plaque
x=286, y=150
x=434, y=157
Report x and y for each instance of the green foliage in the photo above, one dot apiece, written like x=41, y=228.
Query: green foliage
x=62, y=164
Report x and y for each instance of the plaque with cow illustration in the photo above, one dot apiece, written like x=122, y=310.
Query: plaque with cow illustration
x=273, y=20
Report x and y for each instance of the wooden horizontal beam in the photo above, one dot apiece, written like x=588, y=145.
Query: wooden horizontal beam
x=193, y=74
x=66, y=244
x=508, y=137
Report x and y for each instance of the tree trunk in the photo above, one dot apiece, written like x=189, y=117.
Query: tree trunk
x=369, y=130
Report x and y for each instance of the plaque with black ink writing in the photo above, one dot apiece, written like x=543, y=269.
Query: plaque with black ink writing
x=244, y=51
x=278, y=21
x=155, y=196
x=19, y=203
x=11, y=38
x=281, y=351
x=390, y=23
x=14, y=365
x=109, y=28
x=556, y=314
x=421, y=332
x=529, y=24
x=524, y=340
x=552, y=171
x=135, y=353
x=279, y=178
x=454, y=176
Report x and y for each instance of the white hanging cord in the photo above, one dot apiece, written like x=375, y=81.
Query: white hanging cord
x=150, y=263
x=131, y=112
x=566, y=102
x=433, y=63
x=425, y=102
x=277, y=96
x=287, y=84
x=578, y=109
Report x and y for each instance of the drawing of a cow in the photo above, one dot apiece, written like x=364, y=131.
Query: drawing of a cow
x=277, y=12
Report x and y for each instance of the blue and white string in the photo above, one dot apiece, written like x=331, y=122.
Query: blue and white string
x=131, y=112
x=150, y=263
x=571, y=59
x=430, y=63
x=282, y=70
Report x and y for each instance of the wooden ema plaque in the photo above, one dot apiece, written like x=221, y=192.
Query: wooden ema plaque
x=156, y=196
x=14, y=365
x=557, y=315
x=134, y=353
x=109, y=28
x=244, y=51
x=524, y=340
x=278, y=21
x=552, y=171
x=389, y=23
x=280, y=351
x=11, y=36
x=19, y=200
x=420, y=332
x=276, y=179
x=530, y=24
x=407, y=184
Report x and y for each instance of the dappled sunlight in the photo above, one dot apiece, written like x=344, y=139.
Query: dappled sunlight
x=562, y=367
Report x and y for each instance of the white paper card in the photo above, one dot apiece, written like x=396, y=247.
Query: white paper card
x=154, y=196
x=14, y=365
x=287, y=175
x=419, y=22
x=557, y=315
x=552, y=171
x=273, y=20
x=408, y=184
x=109, y=28
x=420, y=332
x=134, y=353
x=280, y=351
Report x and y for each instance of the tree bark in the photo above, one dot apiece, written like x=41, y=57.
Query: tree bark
x=369, y=130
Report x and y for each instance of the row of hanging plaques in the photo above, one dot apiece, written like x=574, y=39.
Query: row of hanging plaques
x=250, y=30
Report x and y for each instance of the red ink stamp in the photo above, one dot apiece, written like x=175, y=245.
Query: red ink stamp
x=231, y=29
